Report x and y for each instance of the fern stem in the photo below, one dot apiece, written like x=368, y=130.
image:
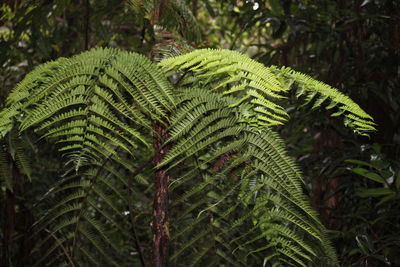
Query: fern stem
x=160, y=204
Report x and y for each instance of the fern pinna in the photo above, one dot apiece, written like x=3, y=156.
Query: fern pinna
x=235, y=196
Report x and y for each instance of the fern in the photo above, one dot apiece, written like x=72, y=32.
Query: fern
x=250, y=82
x=275, y=198
x=236, y=197
x=318, y=93
x=14, y=153
x=247, y=93
x=98, y=108
x=93, y=102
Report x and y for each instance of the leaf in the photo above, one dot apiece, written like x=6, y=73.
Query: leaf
x=374, y=192
x=364, y=244
x=209, y=8
x=366, y=2
x=360, y=162
x=336, y=114
x=370, y=175
x=386, y=199
x=354, y=251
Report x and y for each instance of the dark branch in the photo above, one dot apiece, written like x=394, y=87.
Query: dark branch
x=87, y=24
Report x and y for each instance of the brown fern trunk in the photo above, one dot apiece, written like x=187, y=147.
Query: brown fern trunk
x=160, y=204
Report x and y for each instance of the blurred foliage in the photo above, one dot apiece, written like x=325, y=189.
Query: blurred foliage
x=352, y=45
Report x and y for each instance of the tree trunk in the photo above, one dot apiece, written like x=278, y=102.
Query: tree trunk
x=160, y=204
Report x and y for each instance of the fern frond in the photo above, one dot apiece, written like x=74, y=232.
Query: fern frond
x=99, y=108
x=318, y=93
x=234, y=74
x=248, y=167
x=261, y=87
x=88, y=212
x=91, y=104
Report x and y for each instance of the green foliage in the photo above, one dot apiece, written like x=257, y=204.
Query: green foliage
x=259, y=87
x=376, y=192
x=14, y=149
x=241, y=195
x=247, y=187
x=173, y=15
x=351, y=45
x=79, y=97
x=98, y=107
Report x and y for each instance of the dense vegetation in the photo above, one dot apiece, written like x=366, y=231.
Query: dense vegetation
x=99, y=180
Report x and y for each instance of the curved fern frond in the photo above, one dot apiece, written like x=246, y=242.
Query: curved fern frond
x=247, y=192
x=99, y=108
x=318, y=93
x=89, y=210
x=254, y=86
x=262, y=87
x=93, y=103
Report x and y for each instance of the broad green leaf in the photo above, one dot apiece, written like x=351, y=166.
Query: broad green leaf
x=374, y=192
x=370, y=175
x=387, y=198
x=360, y=162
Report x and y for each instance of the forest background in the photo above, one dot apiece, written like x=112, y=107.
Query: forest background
x=352, y=181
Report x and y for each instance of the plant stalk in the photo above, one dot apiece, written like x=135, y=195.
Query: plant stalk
x=160, y=205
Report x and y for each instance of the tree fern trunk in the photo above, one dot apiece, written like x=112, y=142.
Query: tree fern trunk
x=160, y=204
